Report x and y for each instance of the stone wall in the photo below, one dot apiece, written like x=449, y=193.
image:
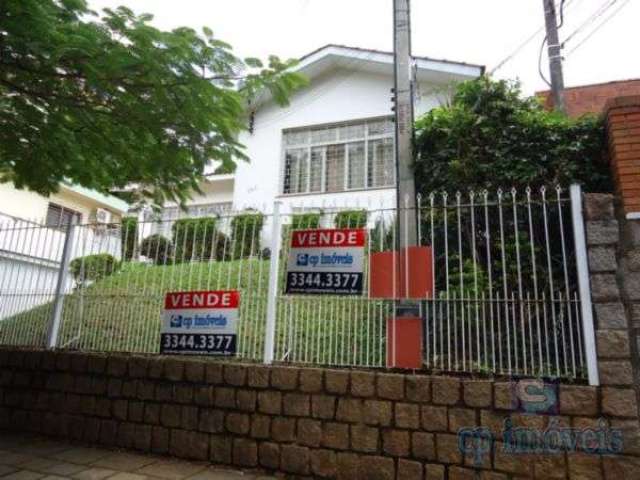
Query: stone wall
x=614, y=262
x=301, y=421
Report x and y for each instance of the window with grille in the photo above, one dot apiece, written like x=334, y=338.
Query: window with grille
x=338, y=158
x=61, y=217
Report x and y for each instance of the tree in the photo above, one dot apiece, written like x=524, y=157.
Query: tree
x=491, y=137
x=106, y=101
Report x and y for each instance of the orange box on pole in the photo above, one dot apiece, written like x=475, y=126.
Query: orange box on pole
x=414, y=269
x=404, y=342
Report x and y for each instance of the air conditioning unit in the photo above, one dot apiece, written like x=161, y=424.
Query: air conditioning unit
x=102, y=216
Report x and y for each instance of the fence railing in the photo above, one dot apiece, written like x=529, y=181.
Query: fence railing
x=506, y=297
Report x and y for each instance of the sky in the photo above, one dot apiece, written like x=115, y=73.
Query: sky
x=474, y=31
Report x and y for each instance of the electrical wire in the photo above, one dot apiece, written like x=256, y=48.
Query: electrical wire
x=562, y=5
x=544, y=41
x=540, y=62
x=561, y=14
x=591, y=19
x=599, y=26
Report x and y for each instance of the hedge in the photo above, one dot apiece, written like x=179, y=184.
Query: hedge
x=93, y=267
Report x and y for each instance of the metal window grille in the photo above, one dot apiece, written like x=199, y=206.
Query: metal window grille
x=60, y=217
x=335, y=158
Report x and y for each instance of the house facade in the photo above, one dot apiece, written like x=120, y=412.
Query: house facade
x=332, y=146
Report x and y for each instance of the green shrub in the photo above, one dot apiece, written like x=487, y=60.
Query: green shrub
x=129, y=237
x=351, y=219
x=383, y=236
x=193, y=239
x=491, y=137
x=245, y=234
x=305, y=220
x=93, y=267
x=157, y=248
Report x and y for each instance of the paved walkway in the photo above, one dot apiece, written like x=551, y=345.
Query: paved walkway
x=28, y=457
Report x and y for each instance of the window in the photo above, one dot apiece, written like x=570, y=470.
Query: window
x=338, y=158
x=61, y=217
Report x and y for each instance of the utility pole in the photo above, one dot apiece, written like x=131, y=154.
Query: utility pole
x=555, y=57
x=406, y=189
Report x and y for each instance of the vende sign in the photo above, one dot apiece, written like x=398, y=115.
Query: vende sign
x=204, y=299
x=346, y=237
x=326, y=261
x=200, y=322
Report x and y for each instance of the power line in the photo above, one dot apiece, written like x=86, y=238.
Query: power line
x=599, y=26
x=592, y=18
x=563, y=5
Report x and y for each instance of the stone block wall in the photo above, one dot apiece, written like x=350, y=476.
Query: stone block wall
x=303, y=422
x=610, y=291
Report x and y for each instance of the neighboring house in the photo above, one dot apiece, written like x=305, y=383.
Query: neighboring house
x=592, y=98
x=333, y=146
x=216, y=198
x=70, y=202
x=32, y=234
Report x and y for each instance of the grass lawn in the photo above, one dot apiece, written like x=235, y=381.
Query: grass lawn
x=122, y=313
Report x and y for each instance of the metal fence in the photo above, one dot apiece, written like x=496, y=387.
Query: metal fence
x=507, y=274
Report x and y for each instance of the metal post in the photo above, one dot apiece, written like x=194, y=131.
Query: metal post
x=555, y=56
x=584, y=285
x=58, y=303
x=272, y=295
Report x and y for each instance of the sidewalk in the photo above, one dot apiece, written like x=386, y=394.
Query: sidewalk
x=29, y=457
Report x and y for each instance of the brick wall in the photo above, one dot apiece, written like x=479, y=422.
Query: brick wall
x=304, y=422
x=592, y=98
x=623, y=129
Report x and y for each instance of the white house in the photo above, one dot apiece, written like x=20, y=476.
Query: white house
x=333, y=145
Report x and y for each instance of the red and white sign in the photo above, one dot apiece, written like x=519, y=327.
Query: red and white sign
x=326, y=261
x=200, y=322
x=344, y=237
x=202, y=299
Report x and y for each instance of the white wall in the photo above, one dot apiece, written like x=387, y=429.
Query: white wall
x=30, y=256
x=337, y=96
x=32, y=206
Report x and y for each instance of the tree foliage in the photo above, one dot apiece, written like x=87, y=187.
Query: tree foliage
x=491, y=137
x=107, y=100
